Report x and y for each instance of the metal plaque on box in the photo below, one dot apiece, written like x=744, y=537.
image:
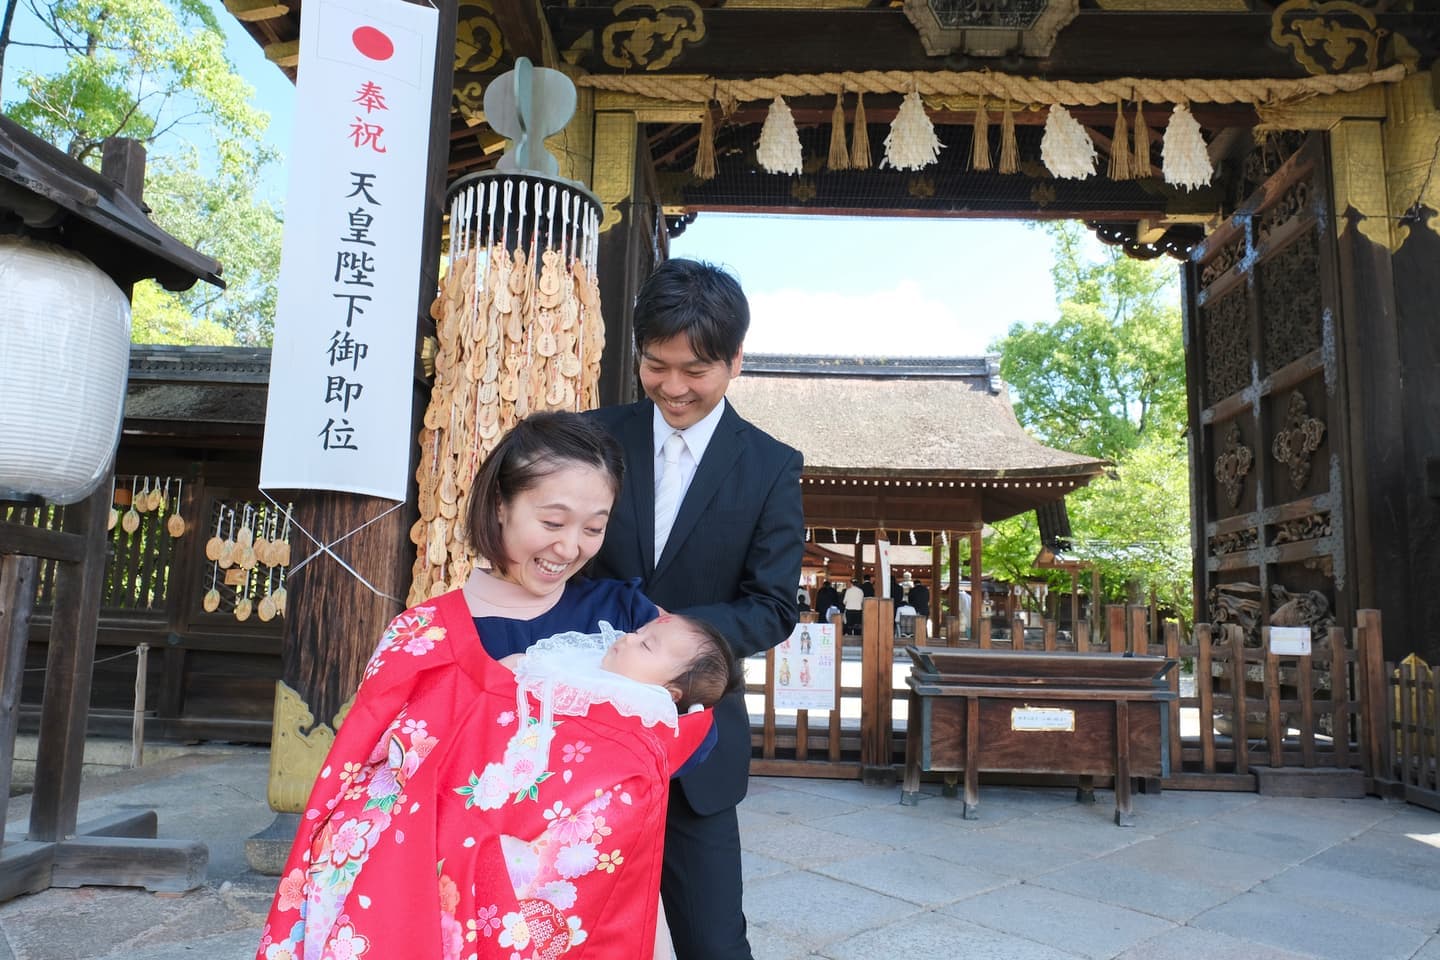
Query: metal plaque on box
x=1042, y=719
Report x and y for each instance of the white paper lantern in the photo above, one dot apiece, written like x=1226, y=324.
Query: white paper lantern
x=64, y=360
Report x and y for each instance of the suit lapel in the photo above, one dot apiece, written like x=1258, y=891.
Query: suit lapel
x=721, y=456
x=639, y=443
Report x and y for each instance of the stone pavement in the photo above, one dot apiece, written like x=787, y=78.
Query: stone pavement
x=841, y=871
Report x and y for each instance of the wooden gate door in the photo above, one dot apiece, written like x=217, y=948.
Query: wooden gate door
x=1263, y=333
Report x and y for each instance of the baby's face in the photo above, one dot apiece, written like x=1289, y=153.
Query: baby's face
x=656, y=653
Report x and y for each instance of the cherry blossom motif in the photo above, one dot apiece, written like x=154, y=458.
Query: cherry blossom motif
x=575, y=752
x=284, y=950
x=345, y=944
x=575, y=860
x=352, y=771
x=292, y=890
x=351, y=841
x=412, y=726
x=421, y=644
x=506, y=718
x=515, y=932
x=487, y=919
x=577, y=934
x=609, y=861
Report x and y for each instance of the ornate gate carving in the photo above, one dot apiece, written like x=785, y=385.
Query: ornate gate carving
x=1267, y=403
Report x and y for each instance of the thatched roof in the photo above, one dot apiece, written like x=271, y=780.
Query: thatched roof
x=907, y=416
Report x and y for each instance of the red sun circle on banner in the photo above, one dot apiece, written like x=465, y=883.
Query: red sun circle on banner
x=373, y=43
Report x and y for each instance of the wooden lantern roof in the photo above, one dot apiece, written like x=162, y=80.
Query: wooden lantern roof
x=905, y=443
x=50, y=195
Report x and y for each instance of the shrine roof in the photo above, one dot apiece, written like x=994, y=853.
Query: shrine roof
x=53, y=193
x=897, y=416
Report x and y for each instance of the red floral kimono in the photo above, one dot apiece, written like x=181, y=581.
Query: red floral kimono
x=437, y=828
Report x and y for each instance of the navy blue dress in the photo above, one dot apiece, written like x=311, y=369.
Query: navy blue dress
x=581, y=607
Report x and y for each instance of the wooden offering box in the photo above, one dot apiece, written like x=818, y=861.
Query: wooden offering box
x=1087, y=714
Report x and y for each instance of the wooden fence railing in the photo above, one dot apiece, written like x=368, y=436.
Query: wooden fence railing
x=1414, y=730
x=1246, y=708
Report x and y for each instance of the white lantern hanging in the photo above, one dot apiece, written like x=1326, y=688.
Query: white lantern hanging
x=64, y=360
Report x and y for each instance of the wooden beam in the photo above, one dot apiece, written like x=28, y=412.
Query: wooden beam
x=285, y=53
x=526, y=32
x=16, y=538
x=252, y=10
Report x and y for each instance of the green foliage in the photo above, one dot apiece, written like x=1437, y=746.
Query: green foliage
x=156, y=71
x=1111, y=368
x=221, y=217
x=1107, y=378
x=144, y=69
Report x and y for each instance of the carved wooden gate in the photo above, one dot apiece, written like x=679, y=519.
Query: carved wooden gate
x=1264, y=343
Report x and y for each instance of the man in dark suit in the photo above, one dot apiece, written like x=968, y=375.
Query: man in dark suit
x=730, y=556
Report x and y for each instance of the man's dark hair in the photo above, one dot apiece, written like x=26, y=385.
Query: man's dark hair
x=696, y=300
x=714, y=674
x=535, y=448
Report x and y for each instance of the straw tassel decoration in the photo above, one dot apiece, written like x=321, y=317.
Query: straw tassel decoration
x=980, y=142
x=705, y=152
x=860, y=137
x=1141, y=169
x=839, y=153
x=1185, y=161
x=779, y=148
x=911, y=143
x=1066, y=149
x=1009, y=149
x=1120, y=146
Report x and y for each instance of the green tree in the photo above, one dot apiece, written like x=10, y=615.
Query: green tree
x=1111, y=368
x=1107, y=378
x=156, y=71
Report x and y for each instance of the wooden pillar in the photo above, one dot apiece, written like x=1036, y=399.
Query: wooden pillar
x=977, y=585
x=632, y=243
x=877, y=689
x=955, y=580
x=1094, y=601
x=1373, y=442
x=18, y=576
x=937, y=598
x=1074, y=599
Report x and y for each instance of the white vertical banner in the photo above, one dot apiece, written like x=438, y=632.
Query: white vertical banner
x=343, y=358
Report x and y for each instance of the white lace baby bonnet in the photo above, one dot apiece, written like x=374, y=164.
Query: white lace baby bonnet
x=564, y=673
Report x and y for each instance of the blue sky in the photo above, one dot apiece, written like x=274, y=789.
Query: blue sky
x=879, y=286
x=861, y=285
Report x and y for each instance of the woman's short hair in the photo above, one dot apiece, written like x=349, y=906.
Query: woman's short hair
x=714, y=674
x=535, y=448
x=696, y=300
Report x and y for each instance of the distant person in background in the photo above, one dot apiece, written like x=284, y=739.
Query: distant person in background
x=919, y=598
x=826, y=598
x=802, y=598
x=868, y=587
x=854, y=601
